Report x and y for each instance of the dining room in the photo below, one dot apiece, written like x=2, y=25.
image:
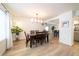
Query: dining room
x=39, y=29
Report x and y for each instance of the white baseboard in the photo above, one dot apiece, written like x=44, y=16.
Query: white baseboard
x=70, y=44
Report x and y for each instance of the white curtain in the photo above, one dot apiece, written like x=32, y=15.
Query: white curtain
x=8, y=31
x=2, y=25
x=5, y=31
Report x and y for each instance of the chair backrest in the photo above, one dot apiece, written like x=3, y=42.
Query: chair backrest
x=32, y=32
x=27, y=36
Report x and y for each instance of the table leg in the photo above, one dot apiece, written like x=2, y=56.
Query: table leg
x=47, y=38
x=30, y=43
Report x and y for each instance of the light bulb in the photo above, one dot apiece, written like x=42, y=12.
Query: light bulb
x=38, y=20
x=41, y=21
x=32, y=20
x=35, y=20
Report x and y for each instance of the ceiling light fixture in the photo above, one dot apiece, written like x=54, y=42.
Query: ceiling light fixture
x=37, y=19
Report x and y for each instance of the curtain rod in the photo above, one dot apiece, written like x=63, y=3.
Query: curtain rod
x=5, y=7
x=6, y=10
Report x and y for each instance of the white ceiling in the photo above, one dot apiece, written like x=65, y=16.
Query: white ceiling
x=45, y=10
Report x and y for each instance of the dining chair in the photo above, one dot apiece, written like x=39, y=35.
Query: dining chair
x=27, y=38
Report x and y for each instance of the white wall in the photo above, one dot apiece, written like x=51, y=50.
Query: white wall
x=26, y=24
x=76, y=13
x=66, y=30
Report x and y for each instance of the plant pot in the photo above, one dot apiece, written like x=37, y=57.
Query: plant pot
x=17, y=34
x=17, y=38
x=14, y=37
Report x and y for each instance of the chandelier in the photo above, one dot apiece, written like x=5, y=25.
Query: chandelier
x=37, y=19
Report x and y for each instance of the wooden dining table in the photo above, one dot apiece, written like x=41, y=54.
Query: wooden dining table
x=40, y=36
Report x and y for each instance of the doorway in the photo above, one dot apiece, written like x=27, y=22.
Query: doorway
x=76, y=29
x=54, y=29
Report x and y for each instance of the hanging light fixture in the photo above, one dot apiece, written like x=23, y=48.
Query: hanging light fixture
x=37, y=19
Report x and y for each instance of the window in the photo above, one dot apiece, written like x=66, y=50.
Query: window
x=2, y=25
x=47, y=28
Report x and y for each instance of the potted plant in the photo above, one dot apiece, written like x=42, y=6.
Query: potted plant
x=16, y=30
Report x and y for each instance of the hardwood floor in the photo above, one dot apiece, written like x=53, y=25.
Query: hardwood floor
x=53, y=48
